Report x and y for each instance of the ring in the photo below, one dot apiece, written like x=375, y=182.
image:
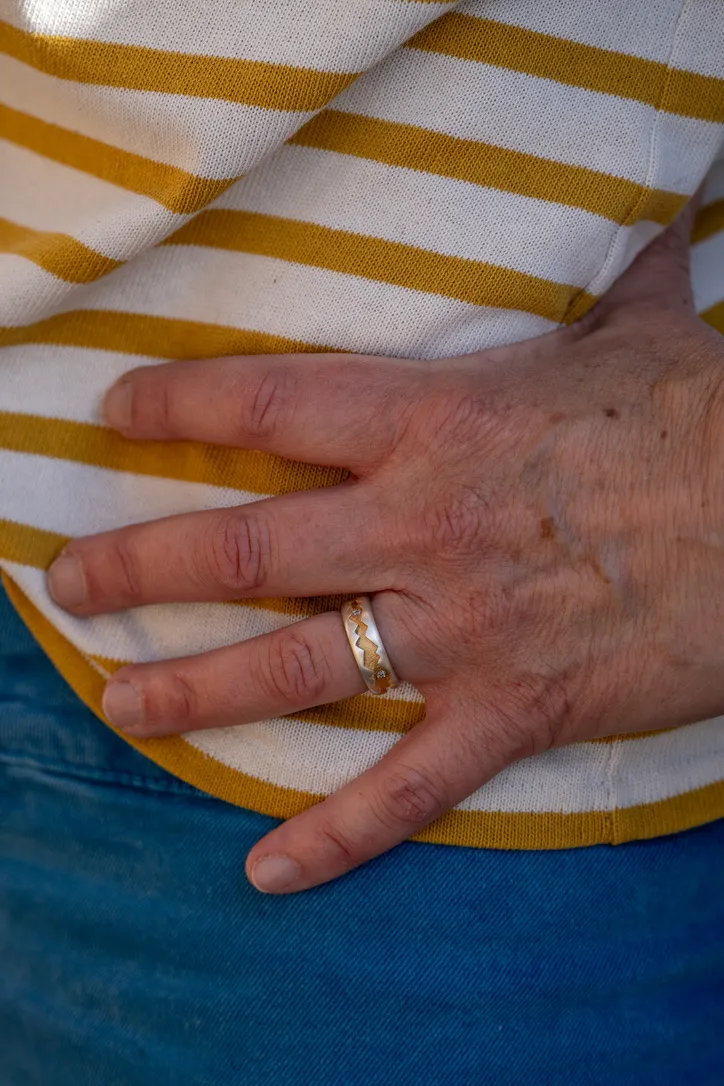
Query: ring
x=366, y=644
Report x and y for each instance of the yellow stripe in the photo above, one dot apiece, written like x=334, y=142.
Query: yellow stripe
x=709, y=221
x=472, y=828
x=154, y=337
x=189, y=461
x=691, y=95
x=136, y=67
x=178, y=190
x=715, y=316
x=383, y=261
x=588, y=66
x=622, y=737
x=29, y=546
x=59, y=254
x=485, y=164
x=554, y=830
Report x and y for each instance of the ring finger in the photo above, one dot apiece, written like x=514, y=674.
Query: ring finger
x=305, y=664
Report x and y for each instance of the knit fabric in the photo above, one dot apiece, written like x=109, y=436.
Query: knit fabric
x=192, y=178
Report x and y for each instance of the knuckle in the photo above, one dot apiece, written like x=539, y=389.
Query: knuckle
x=171, y=701
x=294, y=670
x=556, y=701
x=455, y=524
x=673, y=243
x=461, y=413
x=237, y=551
x=150, y=402
x=409, y=797
x=527, y=735
x=336, y=846
x=445, y=414
x=123, y=561
x=265, y=411
x=161, y=401
x=535, y=713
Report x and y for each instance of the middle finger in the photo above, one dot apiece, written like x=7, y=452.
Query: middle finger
x=318, y=542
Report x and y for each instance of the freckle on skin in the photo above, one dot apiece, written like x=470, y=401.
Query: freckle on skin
x=556, y=417
x=611, y=413
x=598, y=569
x=547, y=528
x=664, y=435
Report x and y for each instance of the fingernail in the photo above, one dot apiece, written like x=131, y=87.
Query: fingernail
x=66, y=581
x=122, y=705
x=274, y=873
x=117, y=406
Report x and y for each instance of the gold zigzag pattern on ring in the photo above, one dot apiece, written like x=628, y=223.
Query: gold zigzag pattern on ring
x=370, y=650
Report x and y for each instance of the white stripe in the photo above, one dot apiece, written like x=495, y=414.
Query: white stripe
x=701, y=38
x=45, y=195
x=205, y=136
x=293, y=754
x=29, y=292
x=642, y=30
x=61, y=382
x=535, y=116
x=323, y=34
x=647, y=770
x=348, y=193
x=102, y=499
x=145, y=634
x=343, y=192
x=274, y=296
x=682, y=151
x=707, y=271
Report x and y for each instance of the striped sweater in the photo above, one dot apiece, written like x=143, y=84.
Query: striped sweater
x=192, y=178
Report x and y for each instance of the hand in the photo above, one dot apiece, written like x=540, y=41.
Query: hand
x=541, y=526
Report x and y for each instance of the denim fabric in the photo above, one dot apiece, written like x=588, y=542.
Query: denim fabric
x=133, y=951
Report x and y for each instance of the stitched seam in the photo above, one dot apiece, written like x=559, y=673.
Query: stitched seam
x=651, y=169
x=614, y=760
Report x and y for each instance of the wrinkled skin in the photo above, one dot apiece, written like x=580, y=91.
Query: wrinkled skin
x=541, y=526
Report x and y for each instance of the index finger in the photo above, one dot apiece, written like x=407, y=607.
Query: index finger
x=339, y=410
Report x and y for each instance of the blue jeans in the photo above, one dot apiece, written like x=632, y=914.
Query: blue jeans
x=134, y=952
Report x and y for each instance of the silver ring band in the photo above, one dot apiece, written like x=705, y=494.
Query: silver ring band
x=366, y=644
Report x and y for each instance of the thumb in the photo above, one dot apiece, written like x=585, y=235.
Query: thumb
x=435, y=766
x=660, y=276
